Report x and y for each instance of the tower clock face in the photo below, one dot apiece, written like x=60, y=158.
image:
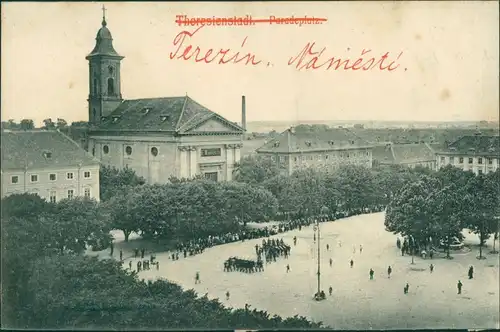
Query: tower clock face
x=111, y=70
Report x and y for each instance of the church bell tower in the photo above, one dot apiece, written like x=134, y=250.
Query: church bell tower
x=104, y=75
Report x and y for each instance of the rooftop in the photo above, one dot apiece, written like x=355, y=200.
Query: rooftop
x=169, y=114
x=39, y=149
x=477, y=144
x=290, y=141
x=403, y=153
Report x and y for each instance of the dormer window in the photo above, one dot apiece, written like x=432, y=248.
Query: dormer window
x=308, y=143
x=103, y=118
x=453, y=148
x=276, y=144
x=352, y=142
x=116, y=118
x=146, y=110
x=472, y=149
x=47, y=154
x=164, y=117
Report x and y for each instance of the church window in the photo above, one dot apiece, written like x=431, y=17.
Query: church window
x=105, y=149
x=111, y=70
x=154, y=151
x=94, y=113
x=128, y=150
x=111, y=86
x=95, y=86
x=93, y=151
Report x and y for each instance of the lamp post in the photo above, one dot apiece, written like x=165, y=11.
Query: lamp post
x=319, y=261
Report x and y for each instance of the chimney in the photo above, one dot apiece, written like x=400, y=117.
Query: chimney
x=243, y=113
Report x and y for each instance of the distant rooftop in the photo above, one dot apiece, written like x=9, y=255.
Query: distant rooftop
x=290, y=141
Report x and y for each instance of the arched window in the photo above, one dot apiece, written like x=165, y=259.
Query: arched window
x=110, y=69
x=154, y=151
x=128, y=150
x=95, y=86
x=111, y=86
x=105, y=149
x=94, y=113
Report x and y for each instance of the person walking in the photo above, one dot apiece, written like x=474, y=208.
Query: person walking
x=227, y=295
x=327, y=247
x=287, y=268
x=331, y=262
x=431, y=267
x=130, y=265
x=371, y=274
x=352, y=263
x=406, y=288
x=360, y=248
x=330, y=290
x=471, y=272
x=197, y=278
x=389, y=271
x=121, y=255
x=459, y=287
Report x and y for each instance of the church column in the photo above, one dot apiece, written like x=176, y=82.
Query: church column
x=229, y=161
x=237, y=152
x=193, y=161
x=183, y=162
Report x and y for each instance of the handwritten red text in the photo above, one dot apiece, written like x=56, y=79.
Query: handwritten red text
x=311, y=59
x=186, y=51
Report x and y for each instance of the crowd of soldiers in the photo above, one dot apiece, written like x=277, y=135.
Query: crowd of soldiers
x=243, y=265
x=271, y=249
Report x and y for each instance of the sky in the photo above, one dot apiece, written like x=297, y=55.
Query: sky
x=448, y=71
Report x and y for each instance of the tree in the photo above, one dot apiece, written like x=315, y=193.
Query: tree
x=77, y=224
x=481, y=203
x=27, y=124
x=61, y=124
x=448, y=213
x=356, y=185
x=25, y=206
x=48, y=124
x=408, y=213
x=120, y=213
x=112, y=180
x=255, y=169
x=10, y=124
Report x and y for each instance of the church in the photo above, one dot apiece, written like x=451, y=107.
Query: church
x=156, y=137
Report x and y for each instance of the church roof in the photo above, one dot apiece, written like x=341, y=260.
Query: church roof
x=169, y=114
x=40, y=149
x=290, y=141
x=104, y=43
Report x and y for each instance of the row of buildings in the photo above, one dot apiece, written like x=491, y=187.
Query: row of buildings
x=177, y=136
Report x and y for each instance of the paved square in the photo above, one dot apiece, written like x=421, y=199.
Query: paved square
x=357, y=302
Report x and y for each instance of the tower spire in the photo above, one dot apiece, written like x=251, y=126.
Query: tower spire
x=104, y=16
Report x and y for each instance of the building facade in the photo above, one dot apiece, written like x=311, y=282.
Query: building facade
x=326, y=151
x=49, y=164
x=477, y=153
x=156, y=137
x=409, y=155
